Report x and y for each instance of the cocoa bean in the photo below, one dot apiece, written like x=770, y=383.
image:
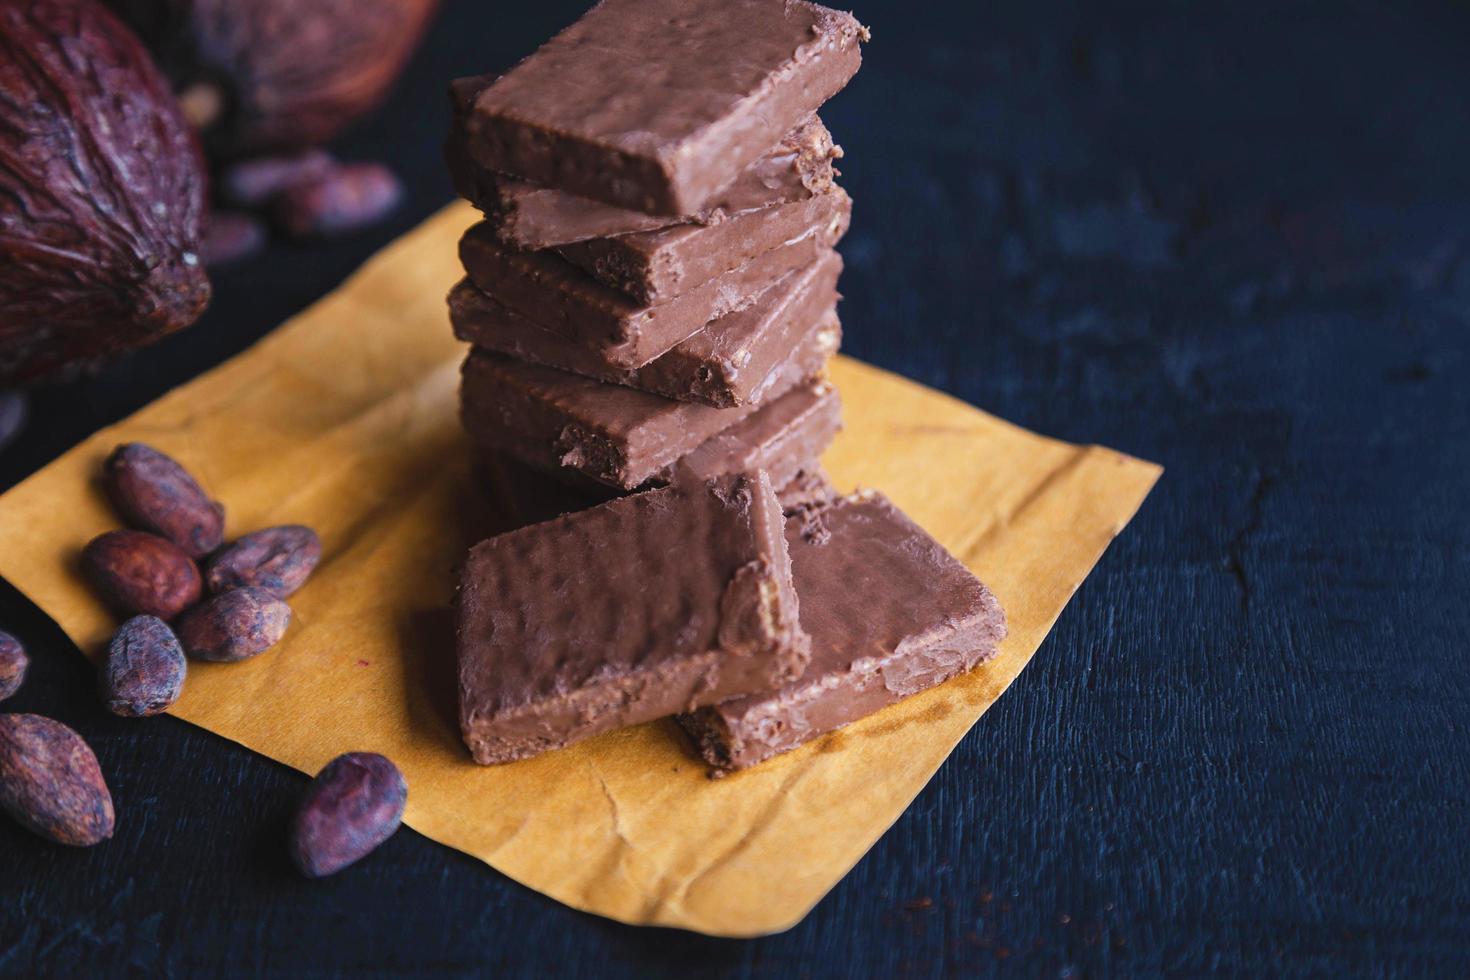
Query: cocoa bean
x=13, y=664
x=154, y=493
x=233, y=626
x=346, y=198
x=14, y=411
x=352, y=807
x=144, y=671
x=277, y=559
x=232, y=236
x=138, y=572
x=50, y=782
x=251, y=184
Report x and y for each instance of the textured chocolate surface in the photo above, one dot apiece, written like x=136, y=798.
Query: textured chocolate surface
x=810, y=487
x=529, y=216
x=618, y=436
x=631, y=611
x=591, y=111
x=550, y=291
x=890, y=613
x=656, y=266
x=780, y=438
x=730, y=362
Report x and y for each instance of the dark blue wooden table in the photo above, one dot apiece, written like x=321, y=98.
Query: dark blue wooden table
x=1234, y=238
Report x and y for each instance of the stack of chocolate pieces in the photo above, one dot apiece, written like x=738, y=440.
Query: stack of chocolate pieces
x=652, y=294
x=651, y=301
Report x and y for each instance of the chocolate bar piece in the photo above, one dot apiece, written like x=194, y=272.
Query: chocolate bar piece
x=656, y=105
x=730, y=362
x=784, y=438
x=616, y=435
x=632, y=611
x=890, y=613
x=656, y=266
x=780, y=438
x=528, y=216
x=548, y=290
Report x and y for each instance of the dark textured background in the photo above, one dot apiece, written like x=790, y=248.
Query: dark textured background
x=1229, y=237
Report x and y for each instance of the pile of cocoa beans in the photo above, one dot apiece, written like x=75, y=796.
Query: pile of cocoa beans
x=187, y=594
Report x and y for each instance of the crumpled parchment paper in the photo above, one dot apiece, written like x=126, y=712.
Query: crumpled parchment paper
x=345, y=419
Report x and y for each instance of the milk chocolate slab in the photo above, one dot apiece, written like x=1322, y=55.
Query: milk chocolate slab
x=732, y=361
x=548, y=290
x=781, y=438
x=528, y=216
x=784, y=438
x=890, y=613
x=631, y=611
x=657, y=105
x=656, y=266
x=615, y=435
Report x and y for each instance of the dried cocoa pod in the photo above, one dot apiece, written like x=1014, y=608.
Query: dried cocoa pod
x=154, y=493
x=50, y=782
x=277, y=559
x=101, y=192
x=347, y=197
x=352, y=807
x=138, y=572
x=143, y=673
x=13, y=664
x=276, y=75
x=251, y=184
x=234, y=626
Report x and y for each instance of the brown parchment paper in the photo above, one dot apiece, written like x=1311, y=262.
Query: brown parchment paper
x=344, y=419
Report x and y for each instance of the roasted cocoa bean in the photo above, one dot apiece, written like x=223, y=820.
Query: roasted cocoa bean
x=232, y=236
x=233, y=626
x=15, y=409
x=50, y=782
x=346, y=198
x=154, y=493
x=353, y=806
x=277, y=559
x=144, y=671
x=13, y=664
x=138, y=572
x=251, y=184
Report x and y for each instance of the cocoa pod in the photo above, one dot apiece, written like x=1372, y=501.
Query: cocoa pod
x=154, y=493
x=101, y=193
x=50, y=782
x=347, y=197
x=13, y=664
x=353, y=806
x=143, y=673
x=277, y=559
x=138, y=572
x=284, y=74
x=233, y=626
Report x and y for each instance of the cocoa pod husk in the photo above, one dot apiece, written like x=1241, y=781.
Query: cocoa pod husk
x=138, y=572
x=143, y=672
x=50, y=782
x=233, y=626
x=154, y=493
x=277, y=559
x=101, y=193
x=355, y=804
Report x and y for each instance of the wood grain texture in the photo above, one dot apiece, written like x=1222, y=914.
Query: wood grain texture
x=1227, y=237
